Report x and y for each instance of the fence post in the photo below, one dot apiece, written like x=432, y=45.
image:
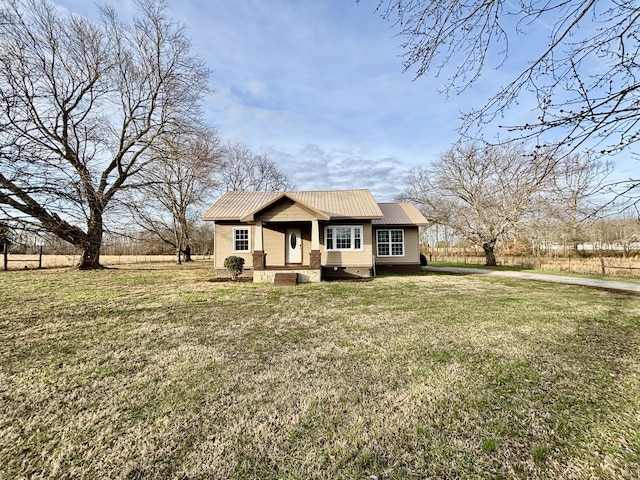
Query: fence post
x=40, y=258
x=602, y=265
x=5, y=253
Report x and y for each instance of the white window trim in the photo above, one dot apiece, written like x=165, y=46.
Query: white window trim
x=233, y=240
x=353, y=237
x=390, y=243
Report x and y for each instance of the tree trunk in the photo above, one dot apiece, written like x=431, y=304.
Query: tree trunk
x=489, y=254
x=90, y=259
x=187, y=254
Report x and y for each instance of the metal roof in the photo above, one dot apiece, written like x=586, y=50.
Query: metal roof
x=400, y=214
x=356, y=204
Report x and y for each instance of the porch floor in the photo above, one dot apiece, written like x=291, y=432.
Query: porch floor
x=305, y=273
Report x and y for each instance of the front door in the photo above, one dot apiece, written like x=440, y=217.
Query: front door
x=294, y=246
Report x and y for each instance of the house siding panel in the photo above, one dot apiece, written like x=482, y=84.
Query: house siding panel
x=350, y=258
x=411, y=249
x=286, y=212
x=223, y=244
x=273, y=238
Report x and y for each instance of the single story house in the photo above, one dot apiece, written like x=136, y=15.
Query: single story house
x=322, y=234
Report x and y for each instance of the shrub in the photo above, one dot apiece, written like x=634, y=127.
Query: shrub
x=235, y=265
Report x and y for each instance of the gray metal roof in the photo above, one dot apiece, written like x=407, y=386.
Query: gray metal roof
x=400, y=214
x=330, y=204
x=356, y=204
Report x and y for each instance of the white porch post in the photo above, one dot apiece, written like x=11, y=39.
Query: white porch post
x=259, y=258
x=315, y=235
x=257, y=243
x=315, y=257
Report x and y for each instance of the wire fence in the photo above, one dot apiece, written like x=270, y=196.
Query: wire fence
x=33, y=261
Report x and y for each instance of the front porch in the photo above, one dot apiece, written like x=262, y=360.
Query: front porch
x=284, y=247
x=310, y=272
x=305, y=274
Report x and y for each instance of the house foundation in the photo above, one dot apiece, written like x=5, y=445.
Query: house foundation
x=304, y=275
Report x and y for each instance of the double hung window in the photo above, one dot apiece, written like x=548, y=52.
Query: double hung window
x=390, y=243
x=240, y=239
x=343, y=237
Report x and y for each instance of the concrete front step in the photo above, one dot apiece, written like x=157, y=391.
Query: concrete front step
x=285, y=278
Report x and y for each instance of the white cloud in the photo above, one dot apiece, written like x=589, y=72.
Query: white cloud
x=318, y=85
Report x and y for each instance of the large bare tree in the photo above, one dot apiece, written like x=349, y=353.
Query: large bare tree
x=182, y=177
x=81, y=104
x=481, y=192
x=242, y=169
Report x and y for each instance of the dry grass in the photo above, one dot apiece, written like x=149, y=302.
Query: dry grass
x=22, y=262
x=156, y=372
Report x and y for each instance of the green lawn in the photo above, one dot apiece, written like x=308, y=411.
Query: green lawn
x=156, y=372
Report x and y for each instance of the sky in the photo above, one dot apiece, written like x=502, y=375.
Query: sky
x=319, y=87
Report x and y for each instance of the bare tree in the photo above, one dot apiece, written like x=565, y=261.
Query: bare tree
x=180, y=180
x=583, y=68
x=241, y=169
x=82, y=102
x=481, y=192
x=575, y=194
x=584, y=75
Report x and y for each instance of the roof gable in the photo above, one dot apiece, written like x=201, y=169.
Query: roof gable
x=309, y=210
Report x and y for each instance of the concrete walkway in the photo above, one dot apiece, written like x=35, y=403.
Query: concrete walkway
x=614, y=285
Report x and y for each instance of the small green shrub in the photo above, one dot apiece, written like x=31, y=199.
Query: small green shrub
x=235, y=265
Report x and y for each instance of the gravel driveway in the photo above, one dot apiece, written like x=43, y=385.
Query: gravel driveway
x=614, y=285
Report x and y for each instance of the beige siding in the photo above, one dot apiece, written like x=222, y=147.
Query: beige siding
x=223, y=244
x=411, y=249
x=348, y=258
x=274, y=238
x=286, y=211
x=273, y=246
x=273, y=243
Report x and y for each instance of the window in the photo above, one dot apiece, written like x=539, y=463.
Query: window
x=390, y=243
x=240, y=239
x=343, y=238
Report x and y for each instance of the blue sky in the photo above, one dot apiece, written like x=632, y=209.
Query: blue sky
x=319, y=87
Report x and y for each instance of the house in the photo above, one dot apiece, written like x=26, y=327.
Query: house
x=322, y=234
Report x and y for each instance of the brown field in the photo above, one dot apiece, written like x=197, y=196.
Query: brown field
x=21, y=262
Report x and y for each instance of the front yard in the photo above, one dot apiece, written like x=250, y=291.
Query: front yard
x=155, y=371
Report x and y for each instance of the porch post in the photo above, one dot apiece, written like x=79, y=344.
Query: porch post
x=257, y=244
x=259, y=260
x=315, y=257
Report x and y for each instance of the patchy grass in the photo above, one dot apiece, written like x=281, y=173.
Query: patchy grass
x=157, y=372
